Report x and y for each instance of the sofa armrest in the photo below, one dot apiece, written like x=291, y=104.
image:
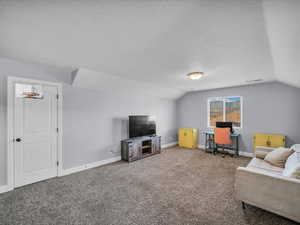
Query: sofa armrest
x=269, y=191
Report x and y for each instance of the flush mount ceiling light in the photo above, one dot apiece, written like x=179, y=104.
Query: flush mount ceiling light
x=195, y=75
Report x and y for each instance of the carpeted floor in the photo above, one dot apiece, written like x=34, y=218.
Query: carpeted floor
x=176, y=187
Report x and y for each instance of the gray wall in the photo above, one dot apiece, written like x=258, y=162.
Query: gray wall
x=93, y=122
x=269, y=107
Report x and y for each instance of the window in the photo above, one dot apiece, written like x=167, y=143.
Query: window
x=226, y=109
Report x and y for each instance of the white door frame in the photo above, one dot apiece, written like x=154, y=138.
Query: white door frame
x=10, y=125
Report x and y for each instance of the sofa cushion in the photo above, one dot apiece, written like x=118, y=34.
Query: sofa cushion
x=292, y=167
x=278, y=156
x=261, y=164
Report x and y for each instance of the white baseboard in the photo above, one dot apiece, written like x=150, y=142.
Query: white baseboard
x=246, y=154
x=73, y=170
x=5, y=188
x=201, y=146
x=103, y=162
x=241, y=153
x=90, y=165
x=170, y=144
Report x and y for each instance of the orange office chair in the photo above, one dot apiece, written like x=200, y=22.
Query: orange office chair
x=222, y=138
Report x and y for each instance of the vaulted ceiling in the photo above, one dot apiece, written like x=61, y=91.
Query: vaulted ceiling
x=157, y=43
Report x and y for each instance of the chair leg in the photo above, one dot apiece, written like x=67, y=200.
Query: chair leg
x=223, y=155
x=243, y=205
x=214, y=150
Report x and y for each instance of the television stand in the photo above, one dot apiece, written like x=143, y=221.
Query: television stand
x=133, y=149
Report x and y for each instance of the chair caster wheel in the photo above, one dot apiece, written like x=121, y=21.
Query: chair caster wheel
x=243, y=205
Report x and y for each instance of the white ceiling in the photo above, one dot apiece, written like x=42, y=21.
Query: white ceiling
x=283, y=28
x=84, y=78
x=158, y=42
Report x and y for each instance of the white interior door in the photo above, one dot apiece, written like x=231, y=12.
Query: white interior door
x=35, y=137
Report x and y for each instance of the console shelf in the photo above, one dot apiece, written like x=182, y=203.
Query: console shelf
x=141, y=147
x=147, y=146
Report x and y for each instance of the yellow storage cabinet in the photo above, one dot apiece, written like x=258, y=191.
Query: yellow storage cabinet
x=188, y=137
x=269, y=140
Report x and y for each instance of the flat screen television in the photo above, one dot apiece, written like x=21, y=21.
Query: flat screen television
x=141, y=126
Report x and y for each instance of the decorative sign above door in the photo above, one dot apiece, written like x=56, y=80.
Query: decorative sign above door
x=29, y=91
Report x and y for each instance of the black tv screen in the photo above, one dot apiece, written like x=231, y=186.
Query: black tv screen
x=141, y=126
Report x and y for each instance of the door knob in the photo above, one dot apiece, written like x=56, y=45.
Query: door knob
x=18, y=140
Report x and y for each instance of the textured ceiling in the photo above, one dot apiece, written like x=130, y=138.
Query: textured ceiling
x=158, y=42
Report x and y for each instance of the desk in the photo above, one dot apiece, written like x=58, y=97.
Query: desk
x=210, y=144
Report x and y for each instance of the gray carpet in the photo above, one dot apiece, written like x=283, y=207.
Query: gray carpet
x=176, y=187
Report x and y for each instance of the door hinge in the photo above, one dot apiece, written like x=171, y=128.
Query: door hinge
x=57, y=96
x=57, y=163
x=57, y=130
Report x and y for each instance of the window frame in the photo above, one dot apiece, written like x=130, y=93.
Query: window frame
x=224, y=109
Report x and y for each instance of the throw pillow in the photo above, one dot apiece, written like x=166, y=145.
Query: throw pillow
x=278, y=157
x=292, y=167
